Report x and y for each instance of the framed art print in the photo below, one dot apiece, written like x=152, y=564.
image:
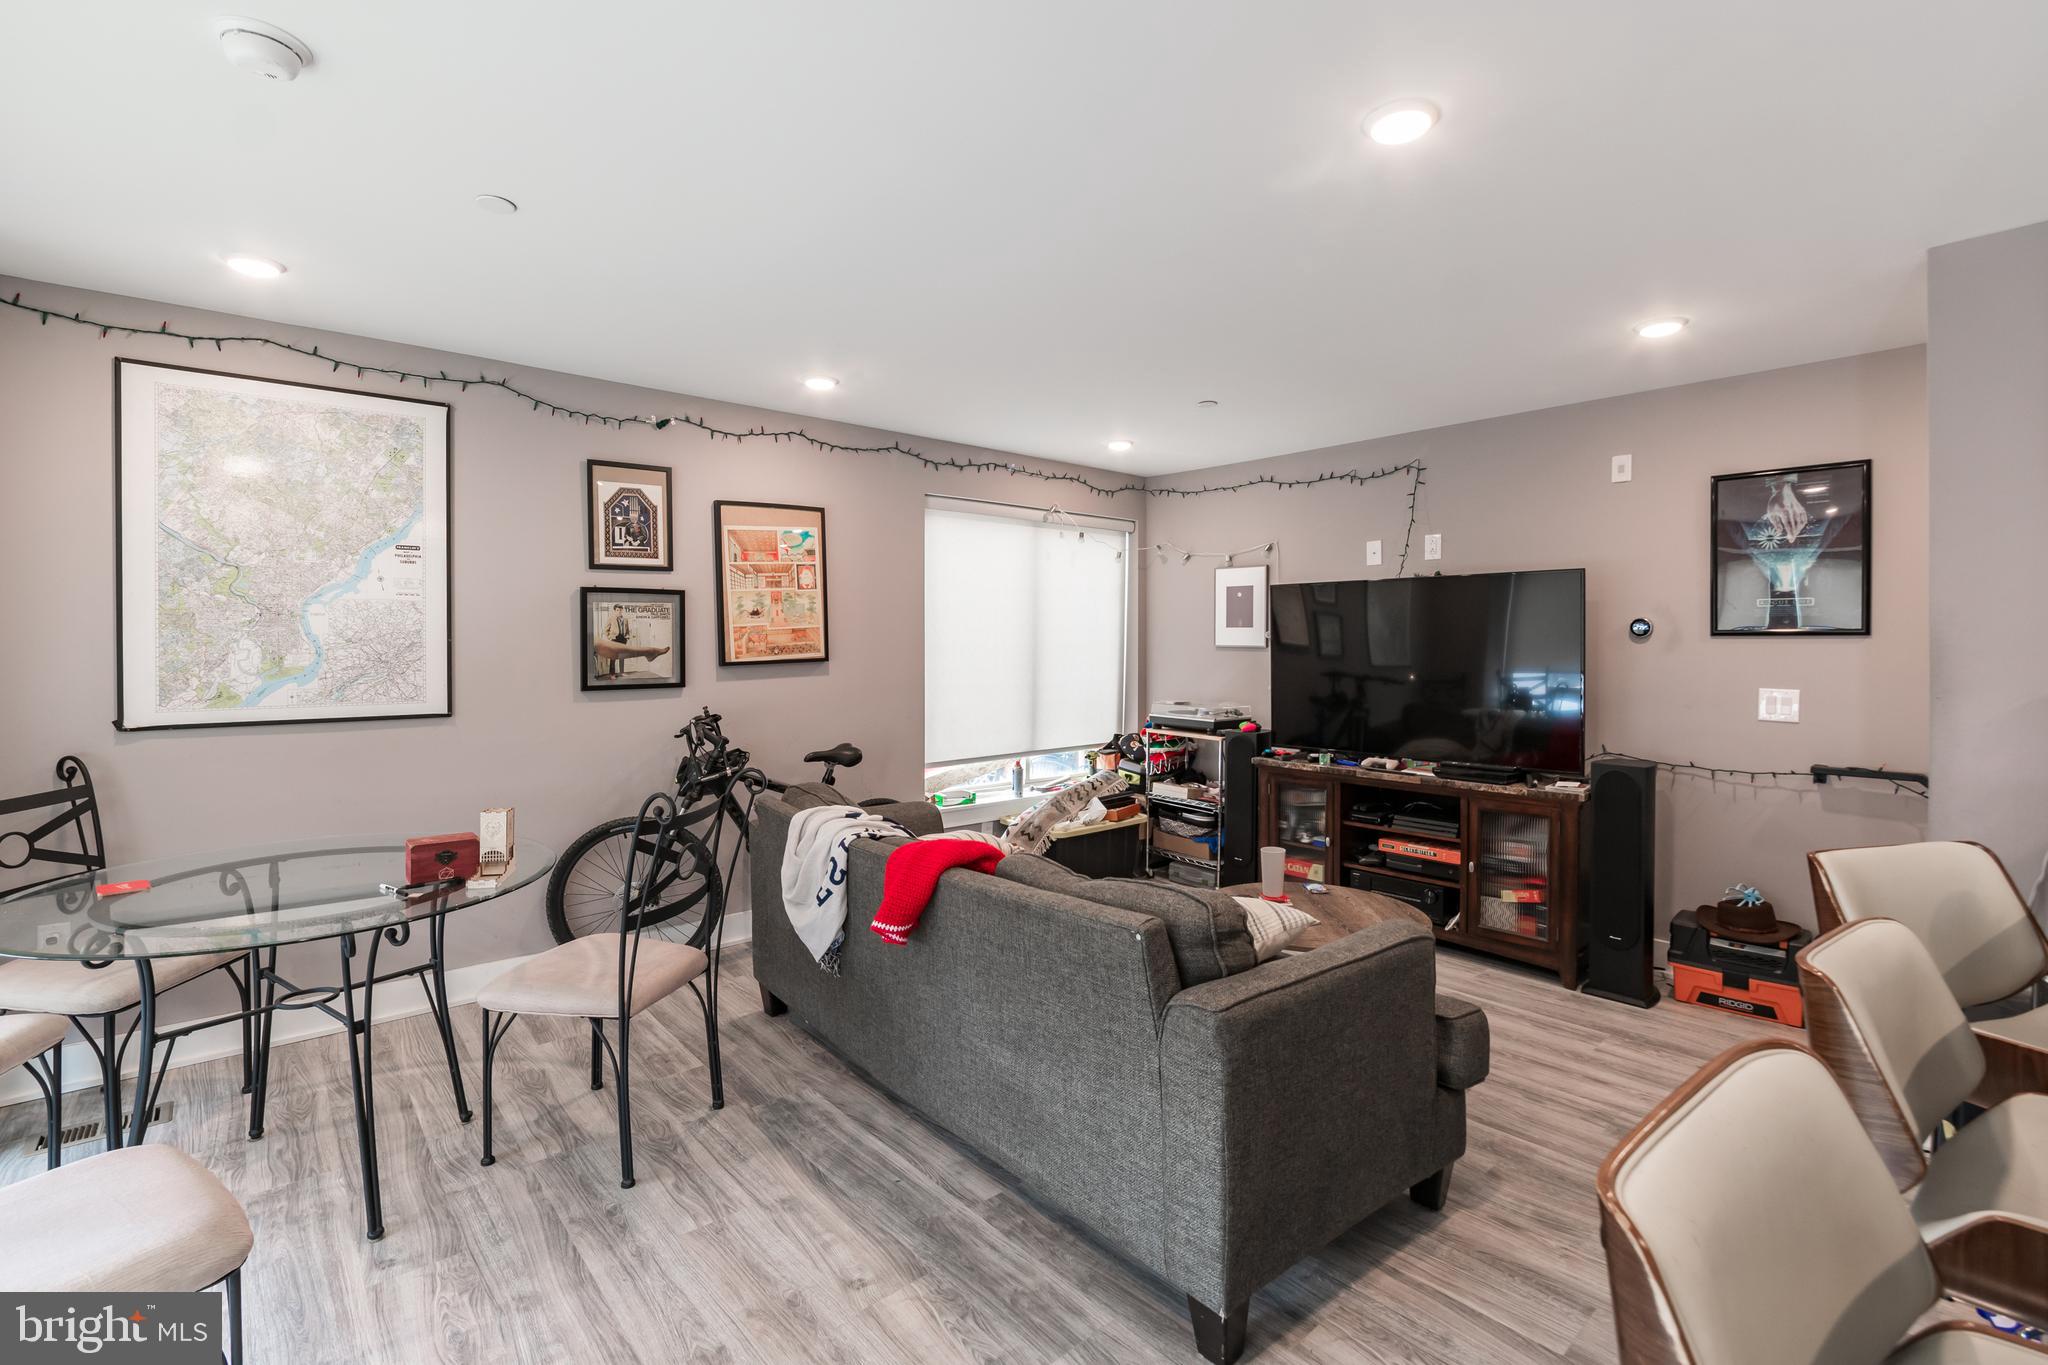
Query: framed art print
x=280, y=551
x=1241, y=607
x=772, y=605
x=631, y=638
x=1791, y=551
x=627, y=516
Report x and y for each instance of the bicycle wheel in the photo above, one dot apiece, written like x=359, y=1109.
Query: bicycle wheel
x=589, y=884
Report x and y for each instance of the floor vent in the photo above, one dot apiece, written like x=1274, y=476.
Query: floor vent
x=90, y=1130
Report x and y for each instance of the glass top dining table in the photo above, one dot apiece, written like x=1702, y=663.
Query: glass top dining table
x=238, y=900
x=244, y=905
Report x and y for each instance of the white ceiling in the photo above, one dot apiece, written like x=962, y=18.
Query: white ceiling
x=1036, y=226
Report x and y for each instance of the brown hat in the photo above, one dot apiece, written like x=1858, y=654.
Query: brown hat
x=1753, y=923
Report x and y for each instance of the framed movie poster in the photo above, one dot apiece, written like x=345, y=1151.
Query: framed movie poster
x=1791, y=551
x=631, y=638
x=771, y=582
x=626, y=516
x=1241, y=607
x=280, y=551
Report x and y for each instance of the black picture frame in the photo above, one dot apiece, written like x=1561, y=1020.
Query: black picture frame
x=1775, y=530
x=123, y=722
x=591, y=669
x=729, y=594
x=659, y=556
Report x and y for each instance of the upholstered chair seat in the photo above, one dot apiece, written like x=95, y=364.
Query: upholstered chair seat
x=1999, y=1160
x=580, y=978
x=26, y=1036
x=63, y=987
x=1761, y=1139
x=138, y=1219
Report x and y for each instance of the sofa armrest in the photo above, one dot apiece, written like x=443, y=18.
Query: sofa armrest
x=1295, y=1099
x=1464, y=1048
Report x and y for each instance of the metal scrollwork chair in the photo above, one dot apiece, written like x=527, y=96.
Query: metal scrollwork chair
x=96, y=990
x=615, y=976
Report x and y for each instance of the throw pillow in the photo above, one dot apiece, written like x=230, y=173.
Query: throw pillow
x=1273, y=926
x=1032, y=833
x=1205, y=928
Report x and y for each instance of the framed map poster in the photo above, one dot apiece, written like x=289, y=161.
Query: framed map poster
x=771, y=582
x=280, y=551
x=626, y=516
x=631, y=638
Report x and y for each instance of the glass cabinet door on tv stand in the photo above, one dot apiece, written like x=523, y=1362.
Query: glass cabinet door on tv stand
x=1298, y=819
x=1511, y=869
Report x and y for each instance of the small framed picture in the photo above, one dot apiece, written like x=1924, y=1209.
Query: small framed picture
x=772, y=583
x=626, y=514
x=1241, y=608
x=1791, y=551
x=631, y=638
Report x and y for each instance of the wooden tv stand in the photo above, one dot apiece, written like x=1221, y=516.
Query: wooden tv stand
x=1511, y=883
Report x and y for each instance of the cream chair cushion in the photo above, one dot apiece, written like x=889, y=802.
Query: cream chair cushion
x=2028, y=1030
x=24, y=1036
x=1957, y=898
x=581, y=978
x=1911, y=1024
x=1775, y=1230
x=58, y=987
x=1997, y=1161
x=138, y=1219
x=1964, y=1348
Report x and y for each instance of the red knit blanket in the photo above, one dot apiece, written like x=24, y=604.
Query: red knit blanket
x=912, y=878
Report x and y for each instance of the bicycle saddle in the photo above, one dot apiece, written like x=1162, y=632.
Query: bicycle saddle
x=839, y=756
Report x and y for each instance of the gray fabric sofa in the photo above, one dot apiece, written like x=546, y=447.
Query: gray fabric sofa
x=1213, y=1134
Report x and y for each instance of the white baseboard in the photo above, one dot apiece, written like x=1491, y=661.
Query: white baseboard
x=402, y=1001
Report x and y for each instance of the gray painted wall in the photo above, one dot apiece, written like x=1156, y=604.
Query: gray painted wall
x=1533, y=491
x=522, y=733
x=1987, y=391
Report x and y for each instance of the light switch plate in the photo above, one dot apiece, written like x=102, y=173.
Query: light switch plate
x=1778, y=703
x=1372, y=553
x=1624, y=468
x=1433, y=547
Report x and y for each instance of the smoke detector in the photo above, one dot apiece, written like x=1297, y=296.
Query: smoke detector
x=261, y=49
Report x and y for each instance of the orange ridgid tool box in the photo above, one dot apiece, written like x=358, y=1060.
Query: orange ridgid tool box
x=1748, y=978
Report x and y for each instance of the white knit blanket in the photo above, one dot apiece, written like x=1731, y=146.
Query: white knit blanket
x=814, y=872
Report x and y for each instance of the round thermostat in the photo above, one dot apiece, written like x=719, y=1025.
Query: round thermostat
x=1640, y=628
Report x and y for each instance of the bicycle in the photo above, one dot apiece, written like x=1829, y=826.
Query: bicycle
x=688, y=897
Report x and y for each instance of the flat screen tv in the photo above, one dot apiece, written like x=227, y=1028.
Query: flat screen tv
x=1474, y=668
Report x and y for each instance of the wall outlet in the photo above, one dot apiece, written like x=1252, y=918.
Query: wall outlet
x=1433, y=547
x=1778, y=703
x=1624, y=468
x=1372, y=553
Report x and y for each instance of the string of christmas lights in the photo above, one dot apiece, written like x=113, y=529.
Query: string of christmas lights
x=1752, y=774
x=362, y=370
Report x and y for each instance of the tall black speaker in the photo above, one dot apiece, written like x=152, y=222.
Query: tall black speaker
x=1622, y=819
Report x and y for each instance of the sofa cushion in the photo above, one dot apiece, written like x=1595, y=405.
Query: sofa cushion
x=1273, y=925
x=1206, y=928
x=1463, y=1043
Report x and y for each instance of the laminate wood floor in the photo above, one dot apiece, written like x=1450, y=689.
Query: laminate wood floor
x=814, y=1219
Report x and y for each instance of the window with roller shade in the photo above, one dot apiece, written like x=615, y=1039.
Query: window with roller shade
x=1025, y=639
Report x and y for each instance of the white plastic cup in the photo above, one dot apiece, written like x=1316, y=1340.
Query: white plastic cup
x=1272, y=873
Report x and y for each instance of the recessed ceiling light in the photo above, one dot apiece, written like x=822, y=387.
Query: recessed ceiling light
x=1402, y=121
x=255, y=267
x=1119, y=447
x=821, y=383
x=1662, y=327
x=496, y=203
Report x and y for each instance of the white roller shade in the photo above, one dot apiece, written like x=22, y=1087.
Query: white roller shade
x=1024, y=640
